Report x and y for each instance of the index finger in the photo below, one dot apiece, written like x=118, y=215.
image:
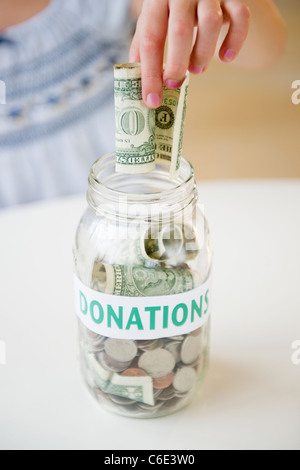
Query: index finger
x=151, y=36
x=180, y=41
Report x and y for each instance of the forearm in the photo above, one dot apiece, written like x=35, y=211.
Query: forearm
x=266, y=38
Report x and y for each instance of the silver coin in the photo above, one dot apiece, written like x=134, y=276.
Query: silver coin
x=95, y=348
x=120, y=350
x=194, y=364
x=143, y=343
x=94, y=337
x=121, y=400
x=167, y=394
x=144, y=406
x=99, y=394
x=191, y=349
x=177, y=338
x=150, y=344
x=172, y=403
x=184, y=379
x=109, y=364
x=182, y=395
x=156, y=393
x=157, y=363
x=174, y=347
x=96, y=341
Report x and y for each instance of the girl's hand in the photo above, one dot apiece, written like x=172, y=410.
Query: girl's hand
x=177, y=19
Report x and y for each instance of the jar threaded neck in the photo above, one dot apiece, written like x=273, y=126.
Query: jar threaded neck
x=140, y=195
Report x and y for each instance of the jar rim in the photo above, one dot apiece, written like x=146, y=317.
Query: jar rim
x=185, y=178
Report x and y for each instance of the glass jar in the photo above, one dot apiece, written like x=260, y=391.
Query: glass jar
x=142, y=262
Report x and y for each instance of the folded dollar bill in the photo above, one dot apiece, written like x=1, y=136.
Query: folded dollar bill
x=146, y=136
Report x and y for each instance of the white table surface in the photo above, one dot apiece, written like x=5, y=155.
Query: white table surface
x=251, y=397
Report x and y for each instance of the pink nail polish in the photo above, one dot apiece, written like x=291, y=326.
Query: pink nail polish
x=197, y=70
x=194, y=69
x=229, y=55
x=172, y=84
x=153, y=100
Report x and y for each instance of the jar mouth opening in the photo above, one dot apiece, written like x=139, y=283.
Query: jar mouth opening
x=157, y=184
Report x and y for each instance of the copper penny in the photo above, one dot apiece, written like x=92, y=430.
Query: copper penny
x=161, y=383
x=134, y=373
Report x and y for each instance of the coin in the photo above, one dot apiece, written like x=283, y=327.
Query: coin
x=191, y=349
x=143, y=343
x=134, y=372
x=157, y=363
x=182, y=394
x=109, y=364
x=172, y=402
x=156, y=392
x=120, y=350
x=161, y=383
x=148, y=345
x=167, y=393
x=144, y=406
x=95, y=348
x=172, y=240
x=121, y=400
x=184, y=379
x=193, y=364
x=135, y=363
x=174, y=347
x=99, y=393
x=197, y=332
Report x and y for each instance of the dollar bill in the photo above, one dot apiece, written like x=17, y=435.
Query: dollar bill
x=139, y=389
x=152, y=247
x=169, y=127
x=162, y=243
x=156, y=245
x=138, y=281
x=135, y=122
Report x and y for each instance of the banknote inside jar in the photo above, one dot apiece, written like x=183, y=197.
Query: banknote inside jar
x=154, y=246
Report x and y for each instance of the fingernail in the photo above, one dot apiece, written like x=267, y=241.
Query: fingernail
x=153, y=100
x=197, y=70
x=172, y=84
x=229, y=55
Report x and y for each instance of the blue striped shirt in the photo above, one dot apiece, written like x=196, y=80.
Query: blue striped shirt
x=57, y=69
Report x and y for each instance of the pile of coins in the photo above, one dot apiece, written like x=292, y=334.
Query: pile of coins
x=144, y=378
